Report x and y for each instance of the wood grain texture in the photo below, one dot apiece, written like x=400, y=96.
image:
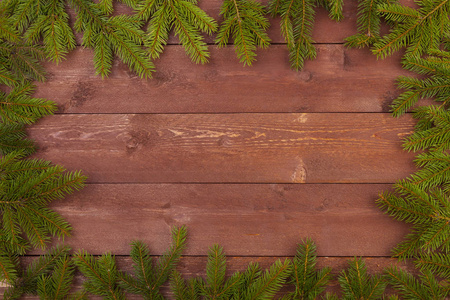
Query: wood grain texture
x=254, y=148
x=339, y=80
x=195, y=266
x=246, y=219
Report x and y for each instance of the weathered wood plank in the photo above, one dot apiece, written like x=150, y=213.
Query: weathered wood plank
x=246, y=219
x=195, y=266
x=254, y=148
x=339, y=80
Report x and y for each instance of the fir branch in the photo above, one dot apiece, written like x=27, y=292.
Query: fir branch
x=18, y=107
x=28, y=282
x=119, y=35
x=417, y=30
x=435, y=263
x=28, y=186
x=57, y=285
x=435, y=170
x=13, y=138
x=185, y=290
x=101, y=273
x=215, y=272
x=187, y=20
x=251, y=284
x=435, y=135
x=368, y=24
x=428, y=212
x=19, y=63
x=297, y=19
x=427, y=288
x=357, y=284
x=52, y=26
x=147, y=280
x=266, y=286
x=9, y=267
x=244, y=20
x=436, y=85
x=308, y=281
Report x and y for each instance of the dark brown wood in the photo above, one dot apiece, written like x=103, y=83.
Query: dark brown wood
x=253, y=148
x=246, y=219
x=195, y=266
x=339, y=80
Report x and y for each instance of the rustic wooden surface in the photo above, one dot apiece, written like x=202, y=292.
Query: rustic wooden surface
x=246, y=219
x=339, y=80
x=255, y=159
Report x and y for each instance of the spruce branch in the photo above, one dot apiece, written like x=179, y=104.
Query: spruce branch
x=57, y=285
x=101, y=273
x=46, y=21
x=18, y=107
x=245, y=22
x=357, y=284
x=148, y=279
x=28, y=186
x=436, y=85
x=297, y=19
x=46, y=266
x=426, y=287
x=435, y=263
x=433, y=131
x=13, y=138
x=20, y=62
x=185, y=290
x=9, y=266
x=418, y=30
x=215, y=272
x=119, y=35
x=187, y=20
x=308, y=281
x=251, y=284
x=368, y=21
x=428, y=212
x=271, y=281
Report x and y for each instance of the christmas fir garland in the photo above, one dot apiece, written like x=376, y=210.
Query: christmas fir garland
x=32, y=31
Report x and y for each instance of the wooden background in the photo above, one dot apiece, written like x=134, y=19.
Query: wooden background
x=253, y=158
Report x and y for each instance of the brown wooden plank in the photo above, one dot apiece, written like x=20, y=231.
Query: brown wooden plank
x=195, y=266
x=246, y=219
x=254, y=148
x=339, y=80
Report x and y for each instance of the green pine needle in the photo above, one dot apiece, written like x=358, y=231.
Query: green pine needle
x=436, y=263
x=18, y=107
x=369, y=21
x=357, y=284
x=185, y=290
x=13, y=138
x=148, y=279
x=297, y=21
x=409, y=287
x=245, y=22
x=101, y=273
x=187, y=20
x=429, y=212
x=308, y=281
x=119, y=35
x=28, y=186
x=418, y=30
